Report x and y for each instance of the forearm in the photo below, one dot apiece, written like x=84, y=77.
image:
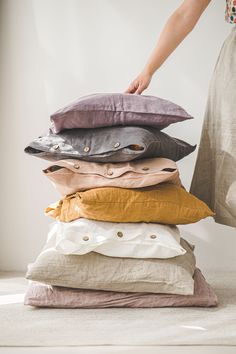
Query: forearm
x=181, y=22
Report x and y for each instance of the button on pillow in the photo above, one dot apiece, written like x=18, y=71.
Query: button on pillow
x=103, y=110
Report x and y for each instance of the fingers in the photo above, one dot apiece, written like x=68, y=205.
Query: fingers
x=139, y=84
x=132, y=88
x=135, y=87
x=139, y=90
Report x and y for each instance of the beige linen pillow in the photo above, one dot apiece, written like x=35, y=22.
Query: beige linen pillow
x=99, y=272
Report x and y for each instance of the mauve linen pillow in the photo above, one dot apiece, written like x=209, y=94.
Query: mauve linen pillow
x=70, y=176
x=109, y=109
x=111, y=144
x=42, y=295
x=95, y=271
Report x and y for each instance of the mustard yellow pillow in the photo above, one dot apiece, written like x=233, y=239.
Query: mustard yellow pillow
x=165, y=203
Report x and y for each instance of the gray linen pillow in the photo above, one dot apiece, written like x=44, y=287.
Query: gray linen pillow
x=111, y=144
x=109, y=109
x=96, y=271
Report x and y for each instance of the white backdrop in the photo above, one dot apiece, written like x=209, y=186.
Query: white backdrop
x=53, y=51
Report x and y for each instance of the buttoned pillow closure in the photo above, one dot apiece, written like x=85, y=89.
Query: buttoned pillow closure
x=111, y=144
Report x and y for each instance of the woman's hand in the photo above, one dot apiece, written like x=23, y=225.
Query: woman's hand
x=140, y=83
x=180, y=23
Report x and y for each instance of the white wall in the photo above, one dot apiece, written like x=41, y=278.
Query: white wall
x=53, y=51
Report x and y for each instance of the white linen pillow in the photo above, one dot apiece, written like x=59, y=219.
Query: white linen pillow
x=133, y=240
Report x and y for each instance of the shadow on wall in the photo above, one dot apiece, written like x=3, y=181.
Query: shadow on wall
x=208, y=238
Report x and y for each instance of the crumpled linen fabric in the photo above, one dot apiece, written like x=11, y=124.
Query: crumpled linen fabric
x=111, y=109
x=165, y=203
x=42, y=295
x=70, y=175
x=214, y=178
x=96, y=271
x=109, y=144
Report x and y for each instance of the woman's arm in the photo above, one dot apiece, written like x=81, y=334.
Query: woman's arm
x=180, y=23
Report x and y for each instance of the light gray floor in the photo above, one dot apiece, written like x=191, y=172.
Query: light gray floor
x=118, y=330
x=123, y=350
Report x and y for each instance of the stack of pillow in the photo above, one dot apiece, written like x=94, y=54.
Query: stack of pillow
x=115, y=242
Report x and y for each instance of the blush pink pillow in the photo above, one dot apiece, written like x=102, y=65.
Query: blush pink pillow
x=69, y=176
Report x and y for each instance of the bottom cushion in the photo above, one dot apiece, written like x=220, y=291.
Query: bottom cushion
x=42, y=295
x=98, y=272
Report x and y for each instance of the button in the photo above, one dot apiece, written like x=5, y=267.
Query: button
x=85, y=238
x=116, y=145
x=120, y=234
x=77, y=166
x=86, y=149
x=153, y=236
x=55, y=147
x=145, y=168
x=110, y=173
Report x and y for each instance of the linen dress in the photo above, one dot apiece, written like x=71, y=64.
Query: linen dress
x=214, y=179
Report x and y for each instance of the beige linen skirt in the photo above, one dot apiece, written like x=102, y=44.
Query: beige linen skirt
x=214, y=179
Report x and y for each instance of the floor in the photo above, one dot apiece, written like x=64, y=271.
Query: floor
x=24, y=329
x=122, y=349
